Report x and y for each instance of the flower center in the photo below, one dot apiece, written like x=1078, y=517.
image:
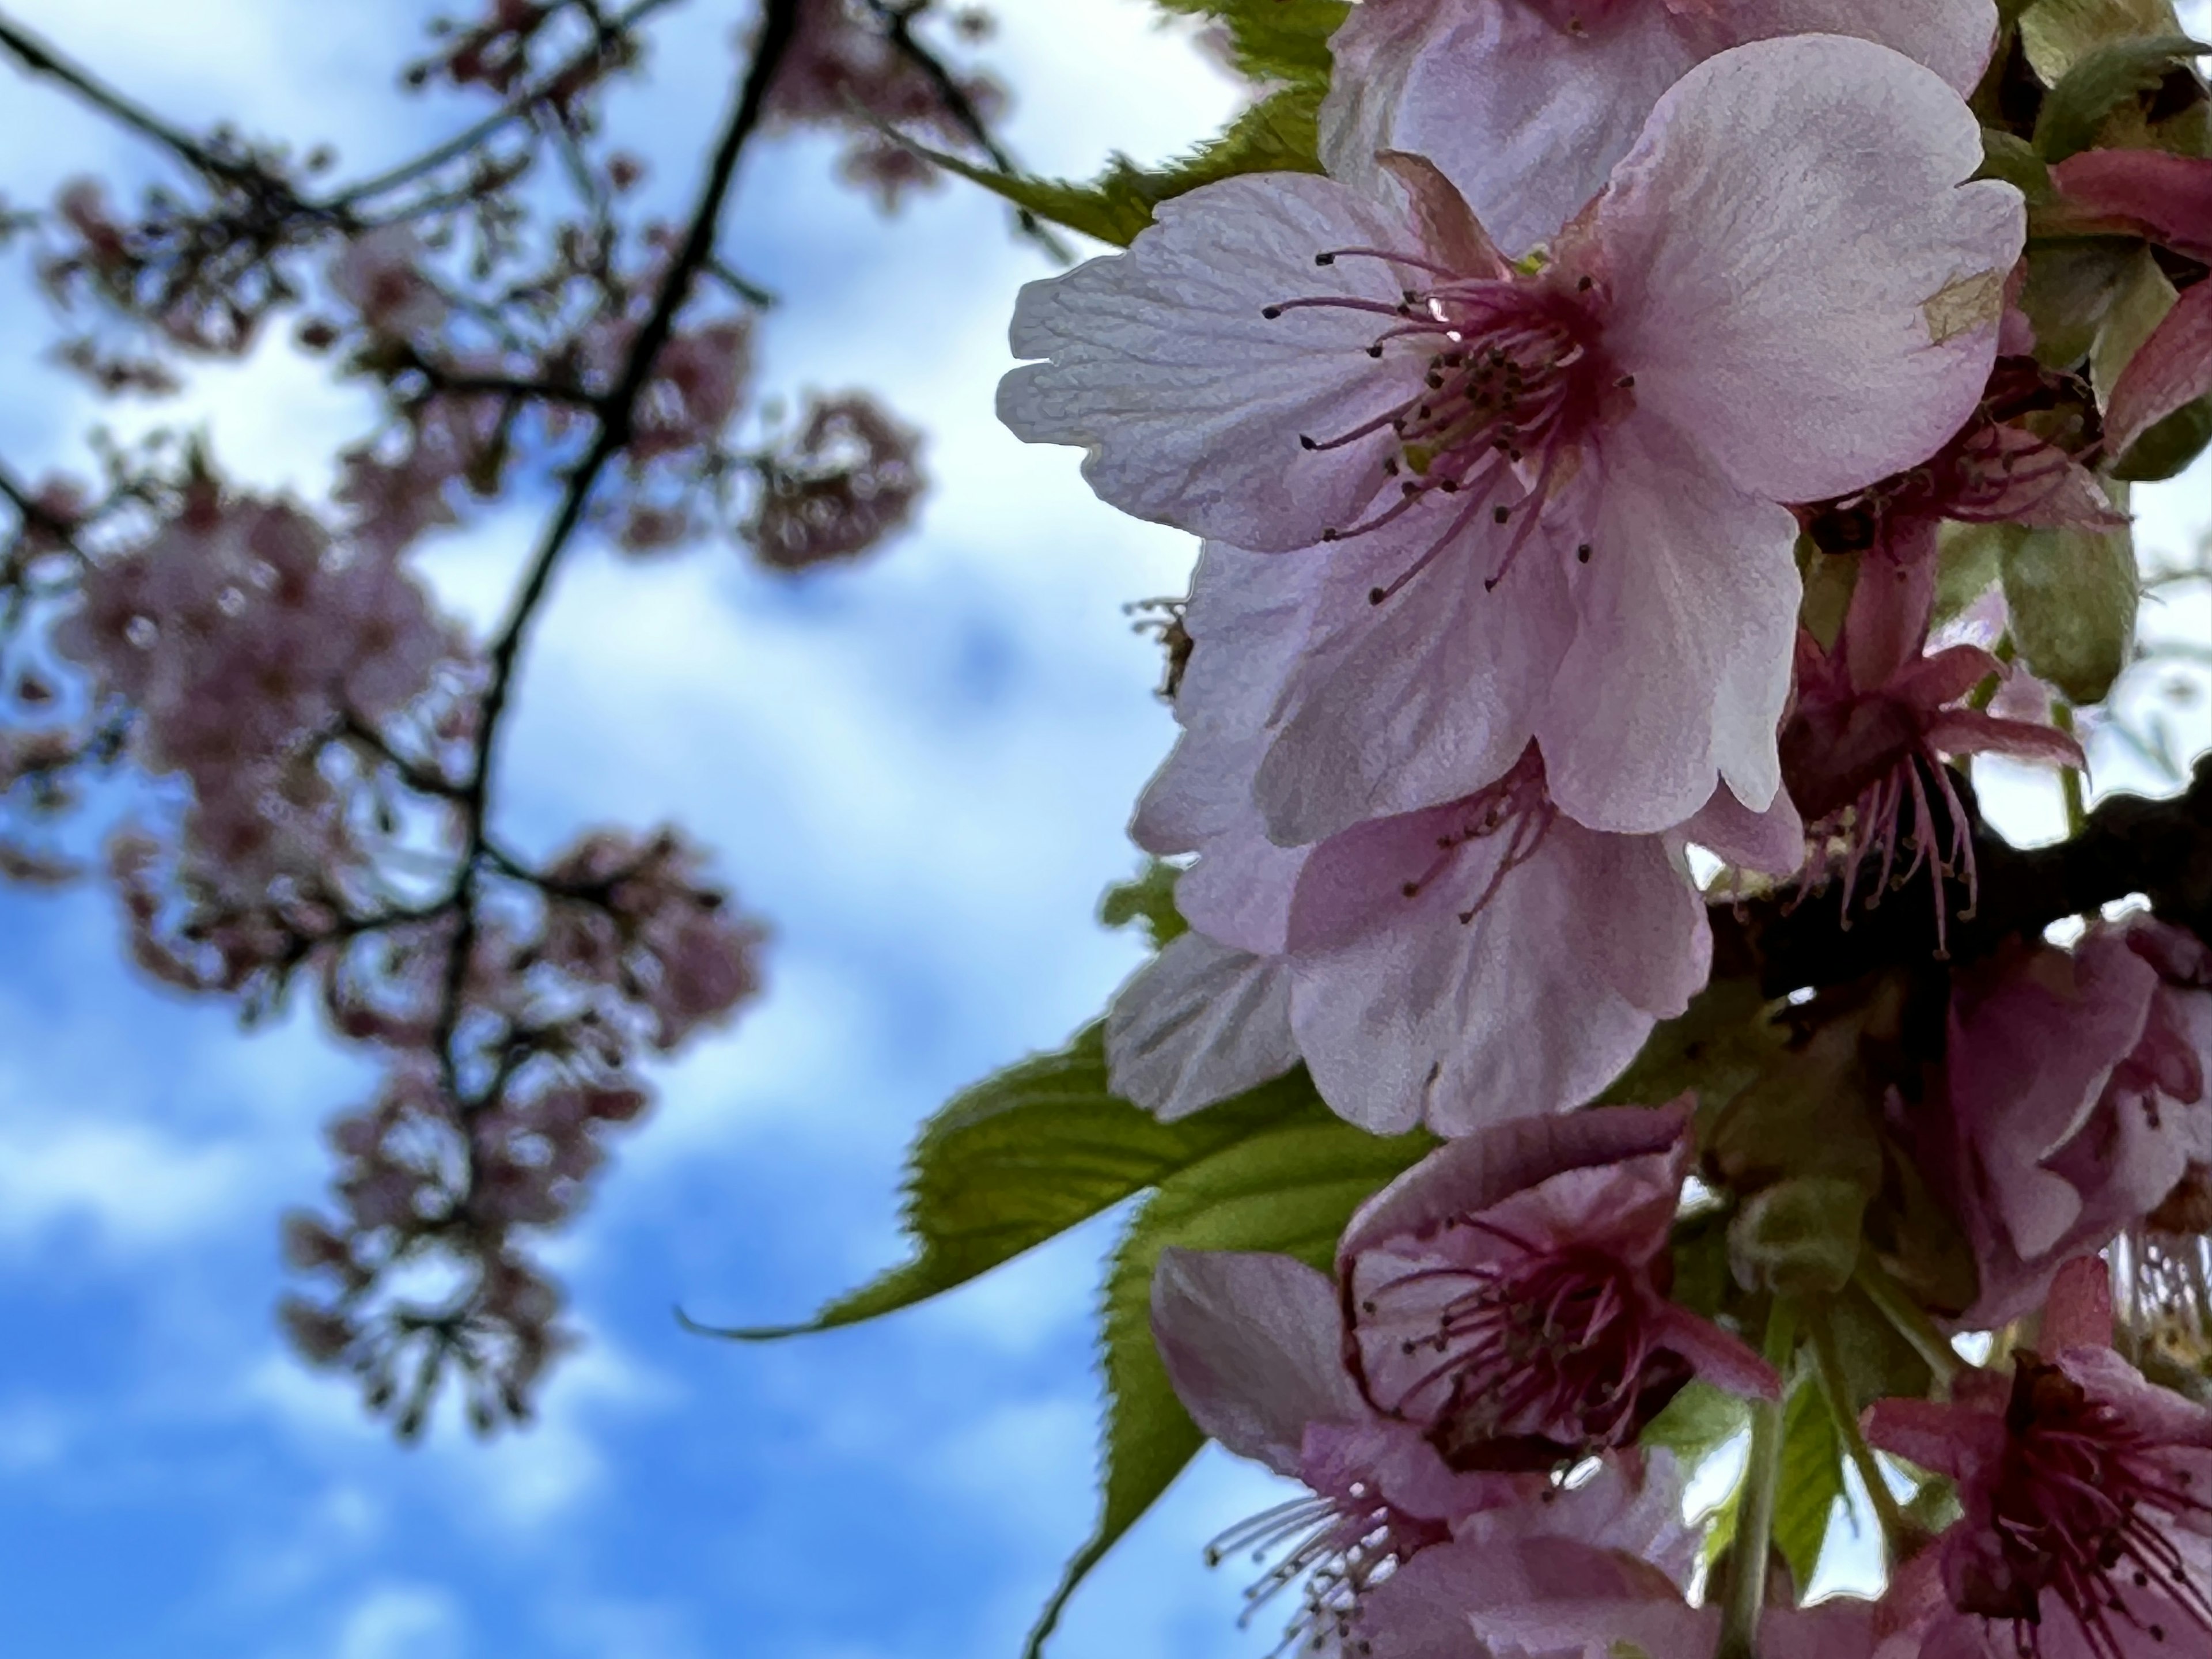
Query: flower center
x=1516, y=812
x=1910, y=802
x=1511, y=379
x=1526, y=1362
x=2085, y=1511
x=1337, y=1547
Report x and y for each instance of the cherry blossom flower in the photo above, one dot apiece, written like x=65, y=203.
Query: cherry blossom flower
x=1254, y=1346
x=847, y=479
x=2086, y=1532
x=1485, y=959
x=1875, y=721
x=1526, y=105
x=2073, y=1100
x=1544, y=505
x=380, y=274
x=1553, y=1597
x=1506, y=1294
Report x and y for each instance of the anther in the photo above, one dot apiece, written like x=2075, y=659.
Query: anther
x=1375, y=351
x=1375, y=595
x=1324, y=259
x=1582, y=553
x=1271, y=311
x=1626, y=381
x=1305, y=441
x=1500, y=513
x=1584, y=284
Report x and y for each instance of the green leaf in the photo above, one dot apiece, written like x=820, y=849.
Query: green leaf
x=2140, y=302
x=1812, y=1478
x=1716, y=1046
x=2009, y=157
x=1967, y=560
x=1274, y=39
x=2169, y=446
x=2057, y=33
x=2072, y=595
x=2070, y=286
x=1829, y=579
x=1149, y=899
x=1024, y=1156
x=1279, y=134
x=1798, y=1237
x=1289, y=1188
x=1809, y=1113
x=2098, y=83
x=1696, y=1423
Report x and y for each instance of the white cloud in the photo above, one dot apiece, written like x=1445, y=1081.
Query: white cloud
x=403, y=1621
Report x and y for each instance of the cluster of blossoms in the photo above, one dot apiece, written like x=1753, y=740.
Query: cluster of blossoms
x=317, y=739
x=1529, y=442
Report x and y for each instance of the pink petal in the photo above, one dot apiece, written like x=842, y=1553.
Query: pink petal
x=1801, y=277
x=1952, y=37
x=1944, y=1439
x=2168, y=198
x=1253, y=1344
x=1242, y=889
x=1420, y=700
x=1522, y=117
x=2078, y=1313
x=1491, y=1164
x=2171, y=368
x=1199, y=1022
x=1964, y=732
x=1190, y=403
x=1685, y=621
x=1773, y=841
x=1716, y=1357
x=1405, y=1013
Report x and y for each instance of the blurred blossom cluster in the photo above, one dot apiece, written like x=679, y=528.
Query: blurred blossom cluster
x=317, y=739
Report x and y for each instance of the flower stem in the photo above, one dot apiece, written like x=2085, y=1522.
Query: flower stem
x=1895, y=1532
x=2070, y=778
x=1762, y=1473
x=1910, y=1319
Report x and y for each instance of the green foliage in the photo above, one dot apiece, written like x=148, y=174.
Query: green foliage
x=1150, y=899
x=1696, y=1423
x=1800, y=1235
x=2011, y=158
x=1273, y=39
x=1812, y=1478
x=1282, y=44
x=2070, y=288
x=1807, y=1115
x=1968, y=559
x=2072, y=595
x=2169, y=446
x=1716, y=1046
x=2140, y=301
x=1829, y=579
x=1279, y=134
x=2098, y=83
x=1024, y=1156
x=1289, y=1187
x=2056, y=34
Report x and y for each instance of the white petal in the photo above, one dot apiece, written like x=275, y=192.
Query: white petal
x=1199, y=1022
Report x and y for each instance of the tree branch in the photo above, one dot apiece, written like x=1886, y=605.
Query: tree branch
x=2160, y=848
x=616, y=414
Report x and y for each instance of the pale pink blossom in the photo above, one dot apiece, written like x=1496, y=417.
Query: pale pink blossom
x=1506, y=1295
x=1874, y=724
x=1563, y=1598
x=2086, y=1532
x=380, y=274
x=1526, y=105
x=2073, y=1100
x=1545, y=507
x=1254, y=1346
x=1485, y=959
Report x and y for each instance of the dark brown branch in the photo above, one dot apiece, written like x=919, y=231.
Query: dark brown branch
x=34, y=57
x=2160, y=848
x=898, y=28
x=616, y=416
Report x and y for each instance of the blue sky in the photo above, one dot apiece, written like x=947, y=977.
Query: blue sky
x=919, y=770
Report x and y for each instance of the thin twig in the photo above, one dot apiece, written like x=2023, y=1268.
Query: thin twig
x=898, y=29
x=615, y=415
x=35, y=57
